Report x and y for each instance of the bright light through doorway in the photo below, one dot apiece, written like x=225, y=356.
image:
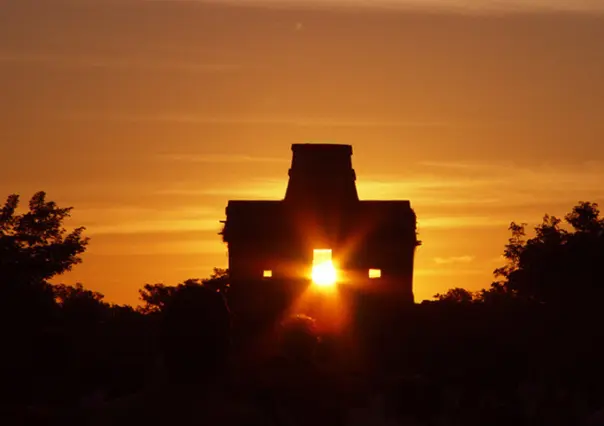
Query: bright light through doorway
x=375, y=273
x=323, y=270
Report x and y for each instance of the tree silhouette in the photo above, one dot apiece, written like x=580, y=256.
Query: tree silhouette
x=556, y=265
x=195, y=334
x=35, y=246
x=80, y=305
x=80, y=346
x=218, y=280
x=456, y=295
x=67, y=295
x=299, y=338
x=157, y=296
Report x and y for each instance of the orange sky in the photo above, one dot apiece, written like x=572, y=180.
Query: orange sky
x=147, y=116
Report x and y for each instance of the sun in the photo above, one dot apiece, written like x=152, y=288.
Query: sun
x=324, y=272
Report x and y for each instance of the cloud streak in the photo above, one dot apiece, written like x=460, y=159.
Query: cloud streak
x=453, y=259
x=460, y=6
x=159, y=247
x=74, y=60
x=426, y=272
x=250, y=119
x=125, y=221
x=489, y=183
x=220, y=158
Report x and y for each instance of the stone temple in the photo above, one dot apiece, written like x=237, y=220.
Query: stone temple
x=272, y=244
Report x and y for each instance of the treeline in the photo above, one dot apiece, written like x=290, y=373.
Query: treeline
x=562, y=265
x=539, y=321
x=62, y=343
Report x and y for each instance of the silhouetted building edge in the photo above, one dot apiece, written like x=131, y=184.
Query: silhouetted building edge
x=321, y=210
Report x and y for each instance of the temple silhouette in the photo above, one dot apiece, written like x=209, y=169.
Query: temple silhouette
x=271, y=244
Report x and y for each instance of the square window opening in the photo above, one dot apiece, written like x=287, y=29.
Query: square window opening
x=375, y=273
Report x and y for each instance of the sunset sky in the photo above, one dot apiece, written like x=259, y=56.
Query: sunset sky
x=147, y=116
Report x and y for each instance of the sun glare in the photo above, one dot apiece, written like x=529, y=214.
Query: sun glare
x=324, y=273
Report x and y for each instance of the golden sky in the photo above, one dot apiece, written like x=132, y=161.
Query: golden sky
x=147, y=116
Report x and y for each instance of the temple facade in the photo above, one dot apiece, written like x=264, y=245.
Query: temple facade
x=272, y=244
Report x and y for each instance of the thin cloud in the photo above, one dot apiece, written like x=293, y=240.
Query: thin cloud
x=460, y=165
x=453, y=259
x=115, y=63
x=299, y=121
x=116, y=221
x=425, y=272
x=155, y=226
x=271, y=189
x=220, y=158
x=186, y=247
x=461, y=222
x=488, y=184
x=459, y=6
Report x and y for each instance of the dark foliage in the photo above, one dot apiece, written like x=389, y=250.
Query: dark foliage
x=456, y=295
x=556, y=266
x=195, y=334
x=34, y=246
x=523, y=351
